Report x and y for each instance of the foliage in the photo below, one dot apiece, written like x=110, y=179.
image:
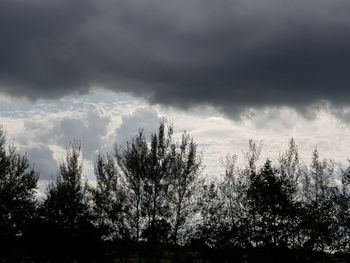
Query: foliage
x=18, y=183
x=151, y=202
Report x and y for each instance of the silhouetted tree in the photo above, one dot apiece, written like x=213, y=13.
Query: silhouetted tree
x=110, y=199
x=233, y=190
x=211, y=230
x=184, y=183
x=252, y=155
x=342, y=201
x=18, y=183
x=67, y=212
x=291, y=172
x=66, y=203
x=268, y=195
x=132, y=163
x=319, y=207
x=156, y=183
x=150, y=203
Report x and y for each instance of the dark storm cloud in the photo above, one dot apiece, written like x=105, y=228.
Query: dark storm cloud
x=229, y=54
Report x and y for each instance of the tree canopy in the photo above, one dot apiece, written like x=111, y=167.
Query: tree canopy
x=150, y=201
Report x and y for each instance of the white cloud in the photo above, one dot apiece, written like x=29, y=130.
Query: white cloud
x=44, y=160
x=146, y=118
x=90, y=127
x=100, y=120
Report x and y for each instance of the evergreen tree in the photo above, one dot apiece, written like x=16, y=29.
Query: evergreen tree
x=67, y=214
x=18, y=183
x=342, y=200
x=267, y=194
x=66, y=202
x=291, y=172
x=319, y=207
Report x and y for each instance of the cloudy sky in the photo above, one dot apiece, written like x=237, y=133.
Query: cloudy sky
x=225, y=70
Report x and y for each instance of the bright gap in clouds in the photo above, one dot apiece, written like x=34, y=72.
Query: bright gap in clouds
x=44, y=128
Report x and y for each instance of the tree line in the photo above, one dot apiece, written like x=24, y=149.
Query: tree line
x=151, y=202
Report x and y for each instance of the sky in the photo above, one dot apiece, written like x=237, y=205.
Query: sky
x=225, y=71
